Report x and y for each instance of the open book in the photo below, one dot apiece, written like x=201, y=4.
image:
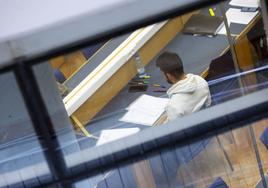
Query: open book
x=145, y=110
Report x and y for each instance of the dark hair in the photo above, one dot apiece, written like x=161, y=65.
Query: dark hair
x=171, y=63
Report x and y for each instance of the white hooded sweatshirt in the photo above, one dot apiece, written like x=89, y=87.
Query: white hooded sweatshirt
x=187, y=96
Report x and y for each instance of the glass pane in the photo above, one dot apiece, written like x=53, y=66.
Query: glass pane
x=22, y=161
x=64, y=142
x=223, y=160
x=149, y=77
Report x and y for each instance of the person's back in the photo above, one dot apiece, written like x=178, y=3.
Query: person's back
x=189, y=93
x=187, y=96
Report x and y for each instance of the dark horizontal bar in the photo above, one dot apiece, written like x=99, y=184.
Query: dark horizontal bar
x=233, y=114
x=6, y=69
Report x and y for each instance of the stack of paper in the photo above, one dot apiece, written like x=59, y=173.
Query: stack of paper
x=245, y=3
x=146, y=110
x=235, y=15
x=115, y=134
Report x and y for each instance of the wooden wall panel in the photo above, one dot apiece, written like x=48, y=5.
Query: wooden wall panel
x=245, y=59
x=69, y=63
x=243, y=52
x=56, y=62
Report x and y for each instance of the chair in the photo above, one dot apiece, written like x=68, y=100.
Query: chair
x=264, y=138
x=59, y=76
x=218, y=183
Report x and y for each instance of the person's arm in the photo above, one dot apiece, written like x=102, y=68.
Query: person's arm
x=173, y=113
x=208, y=101
x=170, y=114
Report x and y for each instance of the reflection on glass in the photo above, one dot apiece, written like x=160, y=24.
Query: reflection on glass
x=236, y=158
x=22, y=162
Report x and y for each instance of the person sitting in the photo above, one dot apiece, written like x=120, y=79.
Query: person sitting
x=188, y=93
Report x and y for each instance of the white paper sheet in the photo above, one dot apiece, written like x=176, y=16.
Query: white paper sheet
x=115, y=134
x=140, y=117
x=236, y=16
x=149, y=103
x=245, y=3
x=146, y=110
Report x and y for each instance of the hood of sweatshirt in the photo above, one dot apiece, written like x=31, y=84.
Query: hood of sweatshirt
x=187, y=85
